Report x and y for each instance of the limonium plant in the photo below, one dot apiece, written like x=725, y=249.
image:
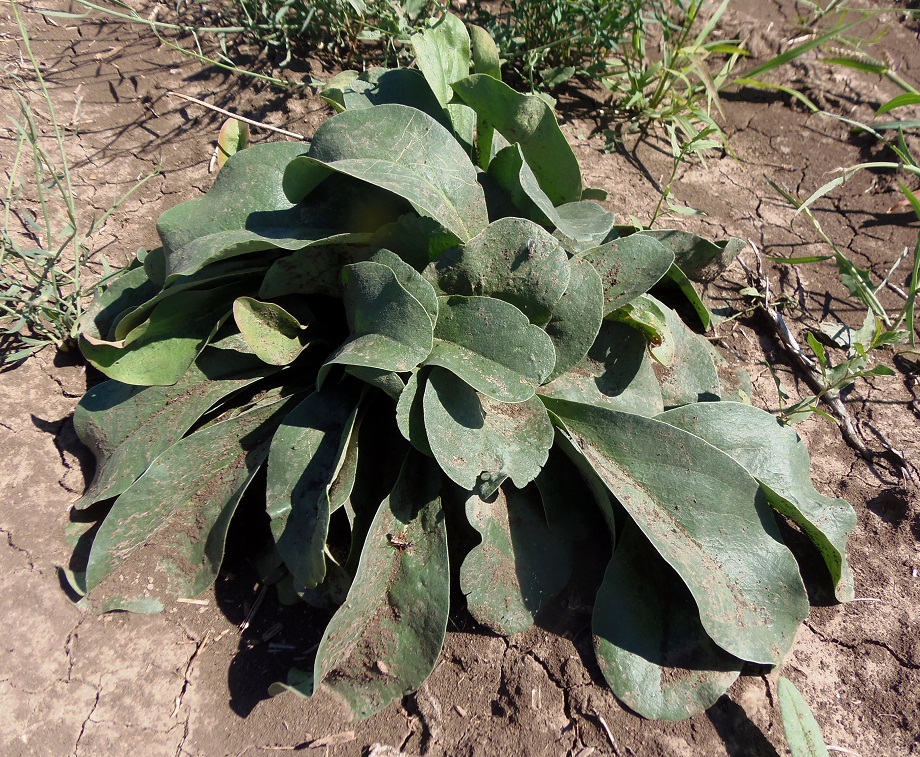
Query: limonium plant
x=422, y=324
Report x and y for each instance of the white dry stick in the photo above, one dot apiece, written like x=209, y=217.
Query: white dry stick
x=229, y=114
x=255, y=608
x=607, y=731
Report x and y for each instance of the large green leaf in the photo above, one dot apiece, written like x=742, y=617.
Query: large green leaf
x=411, y=281
x=271, y=332
x=246, y=210
x=486, y=60
x=160, y=350
x=478, y=441
x=442, y=53
x=128, y=290
x=803, y=734
x=385, y=640
x=698, y=258
x=405, y=152
x=649, y=642
x=581, y=225
x=628, y=267
x=687, y=370
x=306, y=456
x=567, y=499
x=410, y=413
x=775, y=456
x=222, y=272
x=616, y=373
x=389, y=382
x=380, y=86
x=484, y=52
x=126, y=427
x=165, y=535
x=416, y=239
x=390, y=329
x=577, y=317
x=519, y=566
x=708, y=519
x=492, y=346
x=530, y=122
x=513, y=260
x=314, y=270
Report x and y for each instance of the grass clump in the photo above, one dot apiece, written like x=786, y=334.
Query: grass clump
x=45, y=281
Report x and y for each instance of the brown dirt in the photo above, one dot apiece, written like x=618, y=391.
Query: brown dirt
x=186, y=682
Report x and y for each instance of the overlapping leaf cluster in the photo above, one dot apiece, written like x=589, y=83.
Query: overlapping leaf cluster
x=425, y=318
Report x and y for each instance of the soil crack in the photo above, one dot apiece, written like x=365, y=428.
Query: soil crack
x=856, y=644
x=430, y=713
x=200, y=644
x=13, y=545
x=76, y=746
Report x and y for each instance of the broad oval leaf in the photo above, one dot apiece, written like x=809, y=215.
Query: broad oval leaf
x=416, y=239
x=581, y=225
x=566, y=497
x=391, y=329
x=492, y=346
x=484, y=52
x=306, y=455
x=803, y=734
x=616, y=373
x=388, y=382
x=628, y=267
x=478, y=441
x=271, y=332
x=160, y=350
x=698, y=258
x=513, y=260
x=408, y=153
x=165, y=535
x=775, y=456
x=687, y=369
x=650, y=644
x=128, y=290
x=442, y=53
x=707, y=518
x=577, y=317
x=223, y=272
x=486, y=60
x=126, y=427
x=385, y=640
x=381, y=86
x=410, y=413
x=520, y=565
x=530, y=122
x=314, y=270
x=410, y=280
x=245, y=210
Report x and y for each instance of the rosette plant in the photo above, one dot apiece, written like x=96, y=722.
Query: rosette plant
x=424, y=321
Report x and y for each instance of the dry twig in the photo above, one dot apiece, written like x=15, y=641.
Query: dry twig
x=229, y=114
x=811, y=373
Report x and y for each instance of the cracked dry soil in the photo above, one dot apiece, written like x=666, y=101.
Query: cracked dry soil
x=186, y=682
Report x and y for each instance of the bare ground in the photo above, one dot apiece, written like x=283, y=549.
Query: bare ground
x=187, y=682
